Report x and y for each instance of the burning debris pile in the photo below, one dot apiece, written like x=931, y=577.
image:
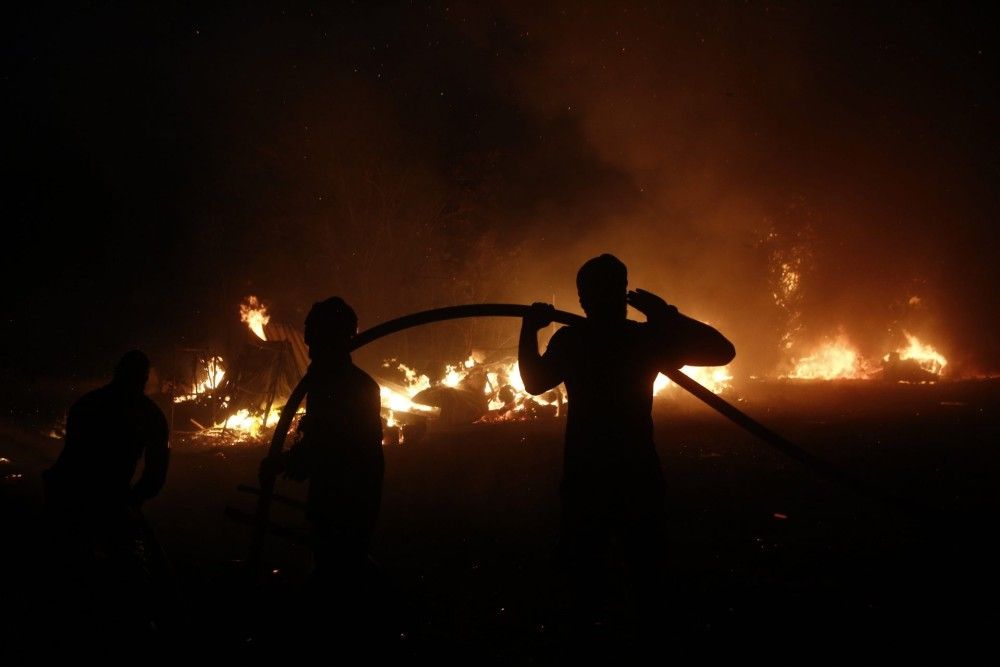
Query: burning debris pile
x=480, y=391
x=840, y=360
x=240, y=401
x=912, y=359
x=471, y=391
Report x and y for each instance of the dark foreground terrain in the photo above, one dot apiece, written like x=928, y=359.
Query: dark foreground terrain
x=765, y=556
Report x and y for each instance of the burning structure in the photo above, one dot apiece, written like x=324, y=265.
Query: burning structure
x=244, y=398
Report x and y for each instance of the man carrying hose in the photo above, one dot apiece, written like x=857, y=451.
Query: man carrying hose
x=340, y=453
x=612, y=484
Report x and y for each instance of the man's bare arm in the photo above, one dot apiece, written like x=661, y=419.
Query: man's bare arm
x=539, y=373
x=699, y=344
x=688, y=341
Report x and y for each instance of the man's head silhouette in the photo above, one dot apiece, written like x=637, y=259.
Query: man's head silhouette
x=132, y=372
x=602, y=283
x=330, y=325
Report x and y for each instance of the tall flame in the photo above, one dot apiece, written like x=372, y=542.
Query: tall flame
x=207, y=379
x=210, y=377
x=254, y=313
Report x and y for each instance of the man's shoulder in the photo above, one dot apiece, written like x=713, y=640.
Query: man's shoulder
x=363, y=380
x=92, y=399
x=567, y=334
x=152, y=409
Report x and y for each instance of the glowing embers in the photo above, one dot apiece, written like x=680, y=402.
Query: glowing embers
x=716, y=379
x=254, y=314
x=832, y=360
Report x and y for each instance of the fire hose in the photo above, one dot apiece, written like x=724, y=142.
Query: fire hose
x=819, y=466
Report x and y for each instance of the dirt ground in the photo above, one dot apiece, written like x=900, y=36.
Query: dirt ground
x=764, y=555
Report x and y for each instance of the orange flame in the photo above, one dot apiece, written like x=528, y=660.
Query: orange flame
x=207, y=380
x=397, y=402
x=249, y=424
x=715, y=378
x=414, y=383
x=254, y=314
x=454, y=374
x=926, y=356
x=213, y=373
x=837, y=359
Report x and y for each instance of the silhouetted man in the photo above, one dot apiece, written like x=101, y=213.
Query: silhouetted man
x=612, y=482
x=109, y=577
x=340, y=451
x=89, y=490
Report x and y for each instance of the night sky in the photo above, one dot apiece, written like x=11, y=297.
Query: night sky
x=164, y=162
